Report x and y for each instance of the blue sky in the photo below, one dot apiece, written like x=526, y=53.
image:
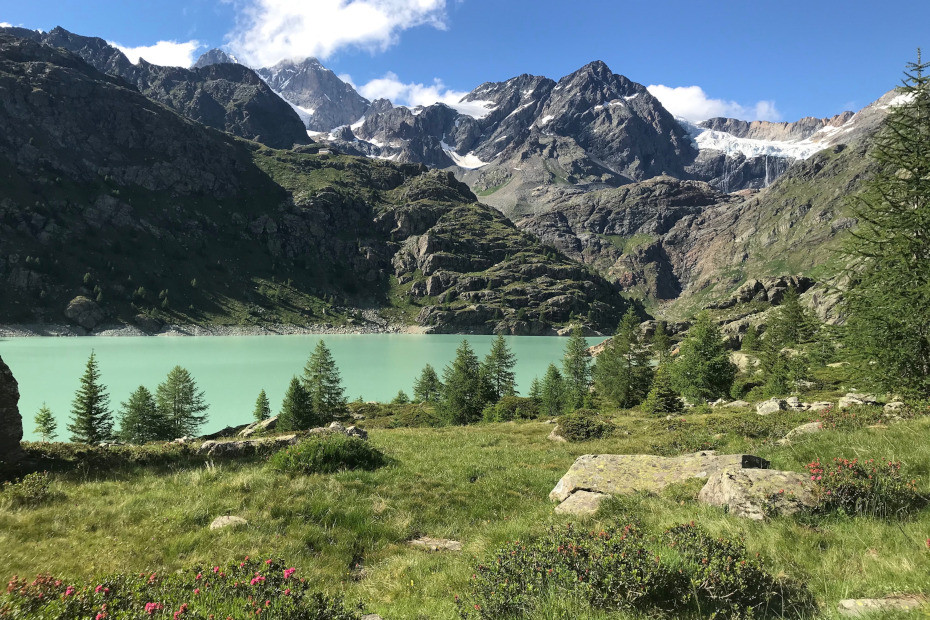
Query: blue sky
x=773, y=60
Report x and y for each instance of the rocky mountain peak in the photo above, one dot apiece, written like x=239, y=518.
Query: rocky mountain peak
x=214, y=57
x=326, y=101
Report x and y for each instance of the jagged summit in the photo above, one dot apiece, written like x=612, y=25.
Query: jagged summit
x=215, y=56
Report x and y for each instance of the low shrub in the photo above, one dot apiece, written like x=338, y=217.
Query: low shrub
x=865, y=487
x=584, y=424
x=622, y=568
x=416, y=415
x=512, y=408
x=249, y=588
x=850, y=418
x=325, y=454
x=67, y=456
x=33, y=490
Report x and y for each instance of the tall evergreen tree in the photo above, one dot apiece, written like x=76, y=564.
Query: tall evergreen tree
x=262, y=409
x=662, y=398
x=750, y=339
x=140, y=420
x=296, y=409
x=621, y=371
x=535, y=389
x=498, y=370
x=91, y=419
x=427, y=388
x=791, y=324
x=552, y=399
x=462, y=396
x=323, y=384
x=889, y=327
x=661, y=343
x=576, y=370
x=46, y=426
x=703, y=369
x=180, y=404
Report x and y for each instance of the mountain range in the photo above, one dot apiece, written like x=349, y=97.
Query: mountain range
x=590, y=174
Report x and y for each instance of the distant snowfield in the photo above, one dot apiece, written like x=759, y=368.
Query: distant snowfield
x=708, y=139
x=469, y=161
x=475, y=109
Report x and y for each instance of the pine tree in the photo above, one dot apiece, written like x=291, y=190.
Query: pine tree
x=703, y=370
x=662, y=398
x=296, y=409
x=262, y=409
x=661, y=343
x=498, y=370
x=462, y=398
x=535, y=389
x=46, y=426
x=91, y=420
x=140, y=420
x=180, y=404
x=750, y=339
x=427, y=388
x=791, y=324
x=576, y=371
x=889, y=327
x=552, y=393
x=401, y=398
x=621, y=371
x=323, y=385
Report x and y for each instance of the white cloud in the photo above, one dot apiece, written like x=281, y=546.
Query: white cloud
x=272, y=30
x=412, y=94
x=6, y=25
x=693, y=104
x=166, y=53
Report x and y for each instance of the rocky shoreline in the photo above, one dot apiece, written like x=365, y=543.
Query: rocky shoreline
x=121, y=330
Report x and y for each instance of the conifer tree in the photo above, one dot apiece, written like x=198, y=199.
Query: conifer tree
x=427, y=388
x=703, y=370
x=535, y=389
x=262, y=409
x=296, y=409
x=401, y=398
x=323, y=385
x=140, y=421
x=462, y=396
x=790, y=324
x=498, y=370
x=888, y=330
x=46, y=426
x=621, y=371
x=576, y=370
x=180, y=404
x=661, y=343
x=750, y=339
x=552, y=393
x=91, y=419
x=662, y=398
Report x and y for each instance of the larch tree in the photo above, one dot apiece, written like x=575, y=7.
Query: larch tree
x=91, y=419
x=427, y=388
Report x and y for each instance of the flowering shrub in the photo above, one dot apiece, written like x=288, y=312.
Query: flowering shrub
x=865, y=487
x=624, y=569
x=242, y=590
x=849, y=418
x=33, y=490
x=328, y=453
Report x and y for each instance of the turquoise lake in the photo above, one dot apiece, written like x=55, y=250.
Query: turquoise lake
x=231, y=370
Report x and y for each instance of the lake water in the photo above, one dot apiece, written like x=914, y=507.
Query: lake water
x=231, y=370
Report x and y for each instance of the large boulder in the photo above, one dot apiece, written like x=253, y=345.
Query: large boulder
x=611, y=474
x=85, y=312
x=756, y=493
x=805, y=429
x=770, y=406
x=259, y=427
x=11, y=423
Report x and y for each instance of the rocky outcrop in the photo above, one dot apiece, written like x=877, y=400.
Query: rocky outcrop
x=611, y=474
x=758, y=493
x=11, y=423
x=805, y=429
x=246, y=447
x=259, y=427
x=773, y=405
x=85, y=312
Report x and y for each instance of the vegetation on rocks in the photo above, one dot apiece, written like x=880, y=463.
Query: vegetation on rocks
x=325, y=454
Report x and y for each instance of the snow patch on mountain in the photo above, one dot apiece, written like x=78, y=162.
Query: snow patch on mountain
x=708, y=139
x=478, y=108
x=469, y=161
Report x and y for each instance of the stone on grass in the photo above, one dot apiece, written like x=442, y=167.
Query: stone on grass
x=581, y=503
x=755, y=493
x=436, y=544
x=736, y=403
x=893, y=406
x=859, y=607
x=805, y=429
x=372, y=617
x=611, y=474
x=854, y=398
x=820, y=405
x=794, y=403
x=554, y=436
x=11, y=423
x=227, y=521
x=257, y=427
x=770, y=406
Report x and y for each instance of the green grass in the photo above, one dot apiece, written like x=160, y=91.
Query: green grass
x=483, y=485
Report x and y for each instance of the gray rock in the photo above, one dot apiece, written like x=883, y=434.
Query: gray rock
x=554, y=436
x=436, y=544
x=893, y=406
x=85, y=312
x=11, y=423
x=259, y=426
x=795, y=404
x=737, y=403
x=752, y=493
x=859, y=607
x=805, y=429
x=354, y=431
x=246, y=446
x=854, y=398
x=611, y=474
x=820, y=405
x=372, y=617
x=227, y=521
x=581, y=503
x=771, y=406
